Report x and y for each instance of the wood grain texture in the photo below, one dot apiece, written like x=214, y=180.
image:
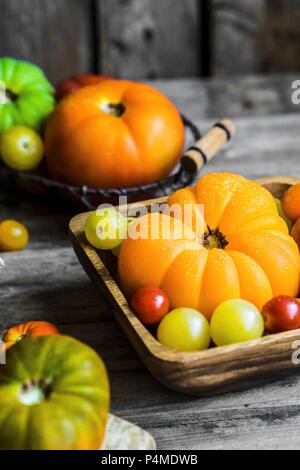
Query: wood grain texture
x=263, y=417
x=255, y=36
x=56, y=35
x=261, y=107
x=235, y=97
x=235, y=29
x=148, y=39
x=280, y=36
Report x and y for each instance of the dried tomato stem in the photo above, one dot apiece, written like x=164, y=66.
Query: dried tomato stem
x=213, y=238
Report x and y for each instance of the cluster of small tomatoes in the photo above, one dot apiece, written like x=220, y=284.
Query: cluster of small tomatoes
x=186, y=329
x=234, y=321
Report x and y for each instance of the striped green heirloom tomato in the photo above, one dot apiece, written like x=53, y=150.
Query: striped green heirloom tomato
x=54, y=395
x=26, y=96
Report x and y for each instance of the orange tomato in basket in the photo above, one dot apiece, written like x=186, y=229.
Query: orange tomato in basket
x=31, y=328
x=238, y=248
x=115, y=134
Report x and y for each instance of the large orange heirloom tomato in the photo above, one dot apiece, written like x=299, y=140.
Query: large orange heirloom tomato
x=115, y=134
x=54, y=395
x=241, y=250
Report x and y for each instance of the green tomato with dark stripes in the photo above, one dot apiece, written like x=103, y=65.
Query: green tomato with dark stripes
x=26, y=96
x=54, y=395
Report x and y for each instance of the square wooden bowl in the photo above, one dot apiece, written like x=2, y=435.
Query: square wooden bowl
x=216, y=370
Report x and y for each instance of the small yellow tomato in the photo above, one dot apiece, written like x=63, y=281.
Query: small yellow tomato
x=13, y=236
x=184, y=329
x=21, y=148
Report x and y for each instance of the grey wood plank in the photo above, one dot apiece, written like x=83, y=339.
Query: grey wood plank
x=47, y=284
x=101, y=336
x=262, y=147
x=148, y=39
x=280, y=35
x=235, y=36
x=255, y=36
x=265, y=417
x=56, y=35
x=235, y=96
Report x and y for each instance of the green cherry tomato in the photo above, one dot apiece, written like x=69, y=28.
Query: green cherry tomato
x=236, y=321
x=106, y=229
x=21, y=148
x=184, y=329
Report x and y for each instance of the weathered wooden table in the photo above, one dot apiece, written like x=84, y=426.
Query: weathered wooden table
x=46, y=281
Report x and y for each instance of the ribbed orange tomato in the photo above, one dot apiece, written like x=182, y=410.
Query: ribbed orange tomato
x=242, y=248
x=115, y=134
x=32, y=328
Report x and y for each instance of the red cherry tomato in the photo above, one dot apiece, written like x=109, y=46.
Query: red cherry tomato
x=68, y=87
x=281, y=314
x=150, y=304
x=88, y=80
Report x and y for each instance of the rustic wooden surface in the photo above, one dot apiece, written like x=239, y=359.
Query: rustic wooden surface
x=139, y=38
x=46, y=282
x=263, y=34
x=153, y=38
x=235, y=33
x=56, y=35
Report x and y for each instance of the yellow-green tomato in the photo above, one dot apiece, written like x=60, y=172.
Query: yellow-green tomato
x=184, y=329
x=21, y=148
x=236, y=321
x=282, y=214
x=106, y=229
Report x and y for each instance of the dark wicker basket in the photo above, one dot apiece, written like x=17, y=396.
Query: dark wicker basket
x=89, y=198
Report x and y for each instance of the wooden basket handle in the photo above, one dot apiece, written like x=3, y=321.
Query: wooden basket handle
x=208, y=146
